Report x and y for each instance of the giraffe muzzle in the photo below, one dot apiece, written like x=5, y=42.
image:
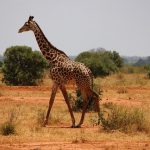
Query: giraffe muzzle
x=20, y=30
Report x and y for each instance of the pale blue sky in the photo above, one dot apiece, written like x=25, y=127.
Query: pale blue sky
x=78, y=25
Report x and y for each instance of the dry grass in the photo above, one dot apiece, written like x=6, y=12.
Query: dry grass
x=28, y=116
x=129, y=80
x=133, y=87
x=1, y=77
x=125, y=119
x=28, y=126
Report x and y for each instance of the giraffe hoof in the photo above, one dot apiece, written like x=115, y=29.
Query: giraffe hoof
x=45, y=123
x=73, y=126
x=78, y=126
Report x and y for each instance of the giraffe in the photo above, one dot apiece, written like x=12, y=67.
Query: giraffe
x=62, y=70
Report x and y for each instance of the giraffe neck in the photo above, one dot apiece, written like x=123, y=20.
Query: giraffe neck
x=50, y=52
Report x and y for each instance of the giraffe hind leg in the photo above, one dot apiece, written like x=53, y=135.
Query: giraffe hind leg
x=96, y=101
x=85, y=104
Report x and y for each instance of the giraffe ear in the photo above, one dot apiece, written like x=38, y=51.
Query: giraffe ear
x=30, y=18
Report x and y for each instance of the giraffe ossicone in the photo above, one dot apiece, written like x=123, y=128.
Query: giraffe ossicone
x=62, y=70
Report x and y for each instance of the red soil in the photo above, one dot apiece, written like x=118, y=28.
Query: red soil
x=76, y=145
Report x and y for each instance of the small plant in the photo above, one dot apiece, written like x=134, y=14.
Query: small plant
x=7, y=128
x=77, y=103
x=81, y=139
x=55, y=119
x=121, y=118
x=120, y=76
x=122, y=90
x=75, y=141
x=40, y=117
x=108, y=105
x=148, y=74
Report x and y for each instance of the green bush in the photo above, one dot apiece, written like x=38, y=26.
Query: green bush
x=77, y=103
x=101, y=63
x=114, y=117
x=7, y=128
x=22, y=66
x=148, y=74
x=1, y=63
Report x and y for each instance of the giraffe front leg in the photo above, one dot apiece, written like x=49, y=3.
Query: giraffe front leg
x=51, y=101
x=64, y=92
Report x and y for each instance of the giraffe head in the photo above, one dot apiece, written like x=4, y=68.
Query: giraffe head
x=29, y=25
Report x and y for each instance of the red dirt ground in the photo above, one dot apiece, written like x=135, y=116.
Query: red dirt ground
x=112, y=145
x=77, y=145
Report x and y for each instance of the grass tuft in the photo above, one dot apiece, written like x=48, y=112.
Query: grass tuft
x=122, y=90
x=7, y=128
x=40, y=117
x=125, y=119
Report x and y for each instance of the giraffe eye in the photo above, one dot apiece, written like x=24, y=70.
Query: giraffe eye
x=27, y=23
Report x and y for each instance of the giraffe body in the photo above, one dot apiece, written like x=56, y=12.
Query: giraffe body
x=62, y=70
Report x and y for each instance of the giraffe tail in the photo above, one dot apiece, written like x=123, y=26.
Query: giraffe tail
x=94, y=96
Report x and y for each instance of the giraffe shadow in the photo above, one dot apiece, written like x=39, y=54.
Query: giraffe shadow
x=69, y=127
x=58, y=127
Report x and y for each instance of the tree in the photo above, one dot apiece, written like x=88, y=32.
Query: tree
x=1, y=63
x=101, y=63
x=22, y=66
x=117, y=59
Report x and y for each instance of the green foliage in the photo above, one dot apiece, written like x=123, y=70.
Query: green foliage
x=1, y=63
x=77, y=103
x=114, y=117
x=147, y=68
x=148, y=74
x=22, y=66
x=117, y=59
x=130, y=69
x=102, y=63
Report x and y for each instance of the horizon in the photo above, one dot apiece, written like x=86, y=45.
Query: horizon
x=82, y=51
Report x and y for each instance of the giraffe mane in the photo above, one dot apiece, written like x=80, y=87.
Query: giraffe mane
x=49, y=42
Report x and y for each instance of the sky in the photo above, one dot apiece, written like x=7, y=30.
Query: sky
x=75, y=26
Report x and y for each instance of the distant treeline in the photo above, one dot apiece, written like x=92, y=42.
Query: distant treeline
x=1, y=58
x=136, y=61
x=130, y=60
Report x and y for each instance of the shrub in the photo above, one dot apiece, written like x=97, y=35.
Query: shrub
x=55, y=119
x=77, y=103
x=22, y=66
x=148, y=74
x=101, y=63
x=125, y=119
x=7, y=128
x=1, y=63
